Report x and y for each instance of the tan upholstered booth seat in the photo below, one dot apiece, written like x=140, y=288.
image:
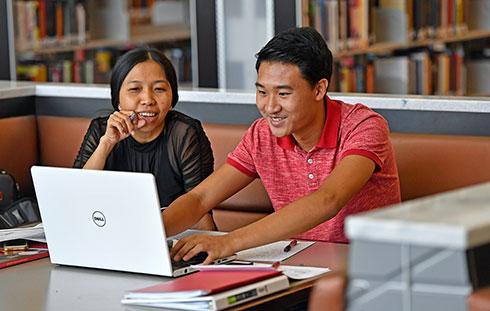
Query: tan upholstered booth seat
x=429, y=164
x=18, y=149
x=60, y=139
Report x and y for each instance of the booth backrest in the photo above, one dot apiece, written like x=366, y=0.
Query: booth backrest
x=60, y=139
x=19, y=149
x=427, y=164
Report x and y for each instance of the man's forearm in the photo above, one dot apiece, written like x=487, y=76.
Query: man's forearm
x=184, y=212
x=295, y=218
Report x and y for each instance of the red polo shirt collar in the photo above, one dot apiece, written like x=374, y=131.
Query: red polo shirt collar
x=330, y=129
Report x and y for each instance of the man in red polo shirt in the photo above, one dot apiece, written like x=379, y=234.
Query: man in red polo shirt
x=319, y=159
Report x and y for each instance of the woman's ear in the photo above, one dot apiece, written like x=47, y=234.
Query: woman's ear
x=119, y=107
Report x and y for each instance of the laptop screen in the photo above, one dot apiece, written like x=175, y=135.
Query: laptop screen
x=102, y=219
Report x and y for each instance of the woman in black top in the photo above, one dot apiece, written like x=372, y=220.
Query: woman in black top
x=144, y=134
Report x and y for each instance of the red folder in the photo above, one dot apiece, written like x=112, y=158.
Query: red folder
x=7, y=260
x=201, y=283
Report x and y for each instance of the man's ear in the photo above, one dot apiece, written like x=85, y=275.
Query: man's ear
x=321, y=89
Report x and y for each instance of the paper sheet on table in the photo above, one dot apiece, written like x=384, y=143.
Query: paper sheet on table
x=35, y=233
x=302, y=272
x=272, y=252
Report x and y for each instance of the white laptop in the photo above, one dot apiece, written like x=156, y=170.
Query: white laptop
x=104, y=219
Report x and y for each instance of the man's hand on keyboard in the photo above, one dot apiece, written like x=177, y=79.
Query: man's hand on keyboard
x=215, y=246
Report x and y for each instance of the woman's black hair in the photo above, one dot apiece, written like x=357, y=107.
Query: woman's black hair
x=130, y=59
x=303, y=47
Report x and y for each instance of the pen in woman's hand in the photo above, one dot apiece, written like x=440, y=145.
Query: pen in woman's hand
x=133, y=116
x=290, y=245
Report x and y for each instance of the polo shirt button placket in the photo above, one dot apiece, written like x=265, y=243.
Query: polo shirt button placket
x=311, y=176
x=311, y=181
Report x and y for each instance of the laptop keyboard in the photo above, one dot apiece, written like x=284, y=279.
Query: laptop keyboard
x=199, y=258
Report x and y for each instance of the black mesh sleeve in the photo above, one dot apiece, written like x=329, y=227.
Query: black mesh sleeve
x=90, y=141
x=190, y=153
x=197, y=159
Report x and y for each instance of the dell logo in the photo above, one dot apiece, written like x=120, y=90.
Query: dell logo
x=98, y=218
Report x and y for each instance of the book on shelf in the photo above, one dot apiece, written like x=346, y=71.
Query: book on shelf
x=392, y=75
x=479, y=10
x=397, y=31
x=209, y=290
x=478, y=71
x=441, y=76
x=42, y=23
x=353, y=74
x=420, y=73
x=109, y=20
x=457, y=71
x=343, y=23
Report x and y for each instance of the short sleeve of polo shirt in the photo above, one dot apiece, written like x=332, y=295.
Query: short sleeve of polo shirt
x=242, y=157
x=365, y=132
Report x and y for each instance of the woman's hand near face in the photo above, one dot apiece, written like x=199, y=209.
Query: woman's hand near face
x=120, y=125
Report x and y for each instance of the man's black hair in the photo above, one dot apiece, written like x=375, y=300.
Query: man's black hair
x=303, y=47
x=127, y=61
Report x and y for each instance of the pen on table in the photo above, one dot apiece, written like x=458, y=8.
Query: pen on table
x=290, y=245
x=240, y=262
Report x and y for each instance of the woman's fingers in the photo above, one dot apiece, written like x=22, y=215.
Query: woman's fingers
x=117, y=123
x=128, y=118
x=123, y=122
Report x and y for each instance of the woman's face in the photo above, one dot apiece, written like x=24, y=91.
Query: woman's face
x=146, y=91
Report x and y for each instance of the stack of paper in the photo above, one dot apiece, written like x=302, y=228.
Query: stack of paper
x=35, y=233
x=272, y=252
x=209, y=290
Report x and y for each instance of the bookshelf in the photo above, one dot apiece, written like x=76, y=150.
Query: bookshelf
x=154, y=35
x=426, y=47
x=196, y=39
x=383, y=48
x=79, y=40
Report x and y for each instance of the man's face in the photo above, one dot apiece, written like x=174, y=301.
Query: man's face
x=288, y=102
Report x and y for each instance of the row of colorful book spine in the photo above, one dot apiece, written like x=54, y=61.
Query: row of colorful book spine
x=92, y=66
x=355, y=24
x=41, y=23
x=422, y=72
